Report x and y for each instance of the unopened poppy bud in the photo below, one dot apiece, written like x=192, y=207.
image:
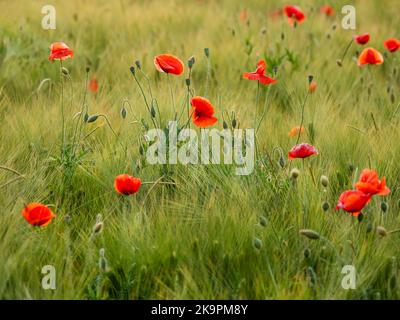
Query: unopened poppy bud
x=224, y=125
x=334, y=26
x=360, y=217
x=138, y=64
x=123, y=113
x=324, y=181
x=191, y=62
x=389, y=89
x=257, y=243
x=310, y=234
x=384, y=206
x=307, y=253
x=207, y=52
x=282, y=161
x=103, y=265
x=381, y=231
x=339, y=62
x=263, y=221
x=141, y=150
x=187, y=81
x=86, y=117
x=394, y=71
x=325, y=206
x=92, y=118
x=234, y=123
x=132, y=69
x=264, y=30
x=282, y=36
x=65, y=71
x=153, y=112
x=369, y=227
x=98, y=227
x=392, y=98
x=87, y=69
x=310, y=78
x=294, y=173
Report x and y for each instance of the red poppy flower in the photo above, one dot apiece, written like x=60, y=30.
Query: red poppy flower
x=294, y=13
x=93, y=85
x=259, y=74
x=369, y=183
x=370, y=56
x=353, y=201
x=60, y=51
x=126, y=184
x=202, y=112
x=312, y=87
x=303, y=150
x=362, y=38
x=38, y=214
x=392, y=44
x=327, y=9
x=169, y=64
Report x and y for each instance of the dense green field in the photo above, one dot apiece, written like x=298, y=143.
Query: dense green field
x=196, y=231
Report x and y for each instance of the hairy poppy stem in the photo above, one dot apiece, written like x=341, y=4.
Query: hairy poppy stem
x=62, y=109
x=264, y=111
x=346, y=50
x=172, y=96
x=302, y=117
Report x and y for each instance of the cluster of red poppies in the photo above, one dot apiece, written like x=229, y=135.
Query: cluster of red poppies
x=369, y=184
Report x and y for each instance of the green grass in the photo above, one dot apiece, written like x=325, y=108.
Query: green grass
x=194, y=239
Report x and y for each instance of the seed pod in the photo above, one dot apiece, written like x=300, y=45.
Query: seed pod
x=325, y=206
x=310, y=234
x=384, y=206
x=257, y=243
x=294, y=173
x=138, y=64
x=324, y=181
x=263, y=221
x=92, y=118
x=381, y=231
x=123, y=113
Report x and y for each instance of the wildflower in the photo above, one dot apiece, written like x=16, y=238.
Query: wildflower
x=362, y=38
x=392, y=44
x=369, y=183
x=93, y=85
x=126, y=184
x=312, y=86
x=38, y=214
x=353, y=201
x=295, y=131
x=259, y=74
x=295, y=14
x=370, y=56
x=257, y=243
x=303, y=150
x=327, y=10
x=169, y=64
x=202, y=112
x=60, y=51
